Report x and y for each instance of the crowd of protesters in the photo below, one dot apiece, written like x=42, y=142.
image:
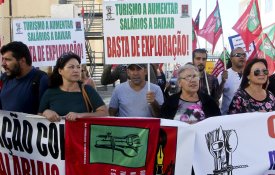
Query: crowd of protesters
x=69, y=92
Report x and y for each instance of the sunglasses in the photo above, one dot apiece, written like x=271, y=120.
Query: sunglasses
x=239, y=55
x=257, y=72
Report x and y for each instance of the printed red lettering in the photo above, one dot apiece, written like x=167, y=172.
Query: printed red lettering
x=135, y=46
x=118, y=46
x=33, y=53
x=270, y=126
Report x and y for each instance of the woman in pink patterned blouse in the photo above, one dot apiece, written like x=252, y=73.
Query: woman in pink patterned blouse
x=252, y=95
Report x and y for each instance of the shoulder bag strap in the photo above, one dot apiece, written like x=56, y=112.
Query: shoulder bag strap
x=88, y=103
x=85, y=97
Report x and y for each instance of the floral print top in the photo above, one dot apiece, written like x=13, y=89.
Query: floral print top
x=190, y=112
x=242, y=102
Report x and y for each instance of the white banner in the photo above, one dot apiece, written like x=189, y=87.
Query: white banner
x=235, y=144
x=30, y=146
x=147, y=31
x=227, y=145
x=49, y=38
x=183, y=135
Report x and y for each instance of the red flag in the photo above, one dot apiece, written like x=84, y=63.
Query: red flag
x=249, y=25
x=175, y=72
x=82, y=12
x=197, y=22
x=212, y=28
x=194, y=36
x=270, y=31
x=266, y=49
x=219, y=66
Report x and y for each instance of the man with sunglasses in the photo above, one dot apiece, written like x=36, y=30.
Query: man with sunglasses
x=231, y=78
x=209, y=85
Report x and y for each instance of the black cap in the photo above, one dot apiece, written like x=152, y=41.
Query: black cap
x=138, y=65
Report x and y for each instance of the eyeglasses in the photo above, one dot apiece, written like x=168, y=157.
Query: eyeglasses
x=257, y=72
x=239, y=55
x=190, y=77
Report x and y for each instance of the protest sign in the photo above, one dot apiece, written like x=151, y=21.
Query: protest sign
x=147, y=31
x=237, y=41
x=49, y=38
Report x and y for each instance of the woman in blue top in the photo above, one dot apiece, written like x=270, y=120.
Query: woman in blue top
x=64, y=97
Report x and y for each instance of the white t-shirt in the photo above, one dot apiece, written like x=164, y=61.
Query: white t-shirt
x=131, y=103
x=231, y=86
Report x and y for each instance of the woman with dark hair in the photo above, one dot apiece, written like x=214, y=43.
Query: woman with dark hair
x=64, y=97
x=189, y=105
x=252, y=95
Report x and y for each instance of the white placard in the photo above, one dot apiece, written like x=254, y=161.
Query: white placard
x=147, y=31
x=49, y=38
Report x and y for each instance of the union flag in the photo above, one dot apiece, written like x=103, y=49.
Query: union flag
x=212, y=28
x=249, y=25
x=265, y=49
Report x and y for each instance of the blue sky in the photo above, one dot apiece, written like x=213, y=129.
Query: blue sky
x=229, y=10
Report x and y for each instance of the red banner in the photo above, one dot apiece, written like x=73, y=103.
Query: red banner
x=104, y=146
x=249, y=25
x=166, y=152
x=212, y=28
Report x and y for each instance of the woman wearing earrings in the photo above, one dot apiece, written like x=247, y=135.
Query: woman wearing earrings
x=252, y=95
x=65, y=98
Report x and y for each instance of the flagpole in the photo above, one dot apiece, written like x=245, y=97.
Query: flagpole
x=206, y=80
x=263, y=45
x=10, y=13
x=149, y=75
x=224, y=61
x=206, y=18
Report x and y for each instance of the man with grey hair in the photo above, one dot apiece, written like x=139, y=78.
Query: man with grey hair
x=231, y=78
